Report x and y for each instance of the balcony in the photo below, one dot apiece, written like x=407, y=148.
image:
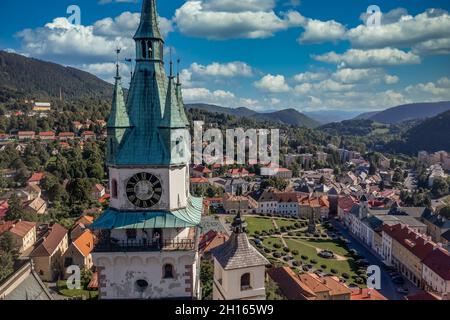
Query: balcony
x=131, y=245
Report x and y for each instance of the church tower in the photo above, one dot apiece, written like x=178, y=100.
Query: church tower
x=239, y=269
x=148, y=247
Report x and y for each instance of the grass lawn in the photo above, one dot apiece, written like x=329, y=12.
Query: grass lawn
x=327, y=245
x=303, y=249
x=76, y=293
x=285, y=223
x=272, y=241
x=258, y=224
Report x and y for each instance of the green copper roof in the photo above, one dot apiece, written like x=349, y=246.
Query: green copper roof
x=173, y=117
x=148, y=28
x=119, y=116
x=180, y=102
x=183, y=218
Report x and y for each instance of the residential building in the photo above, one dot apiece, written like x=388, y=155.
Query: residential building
x=239, y=204
x=406, y=250
x=436, y=271
x=47, y=136
x=35, y=179
x=437, y=225
x=88, y=135
x=23, y=235
x=239, y=269
x=36, y=206
x=366, y=294
x=64, y=136
x=211, y=240
x=201, y=171
x=48, y=254
x=79, y=251
x=26, y=135
x=308, y=286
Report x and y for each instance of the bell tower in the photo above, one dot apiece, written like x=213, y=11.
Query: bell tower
x=239, y=269
x=148, y=247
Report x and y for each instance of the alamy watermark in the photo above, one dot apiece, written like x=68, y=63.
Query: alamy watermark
x=253, y=146
x=374, y=16
x=374, y=277
x=75, y=14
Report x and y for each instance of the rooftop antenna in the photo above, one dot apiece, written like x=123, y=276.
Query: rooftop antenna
x=130, y=61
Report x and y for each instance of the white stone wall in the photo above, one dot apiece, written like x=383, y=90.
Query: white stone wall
x=119, y=273
x=434, y=281
x=229, y=288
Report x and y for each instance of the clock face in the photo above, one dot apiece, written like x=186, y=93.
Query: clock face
x=144, y=190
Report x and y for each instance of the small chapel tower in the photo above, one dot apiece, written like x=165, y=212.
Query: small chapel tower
x=239, y=269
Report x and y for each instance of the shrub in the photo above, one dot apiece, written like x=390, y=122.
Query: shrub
x=305, y=268
x=291, y=234
x=323, y=266
x=313, y=261
x=286, y=258
x=334, y=271
x=286, y=249
x=297, y=225
x=295, y=263
x=295, y=252
x=267, y=250
x=345, y=275
x=277, y=245
x=277, y=255
x=257, y=232
x=304, y=257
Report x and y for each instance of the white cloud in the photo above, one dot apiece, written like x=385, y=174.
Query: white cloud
x=368, y=75
x=317, y=31
x=227, y=70
x=310, y=76
x=401, y=30
x=206, y=95
x=209, y=20
x=356, y=58
x=67, y=43
x=272, y=83
x=439, y=89
x=239, y=5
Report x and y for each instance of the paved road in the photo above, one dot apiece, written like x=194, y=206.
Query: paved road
x=388, y=288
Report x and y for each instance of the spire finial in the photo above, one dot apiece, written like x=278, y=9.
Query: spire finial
x=239, y=224
x=178, y=71
x=117, y=62
x=171, y=63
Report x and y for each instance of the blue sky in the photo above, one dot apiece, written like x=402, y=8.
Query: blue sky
x=310, y=55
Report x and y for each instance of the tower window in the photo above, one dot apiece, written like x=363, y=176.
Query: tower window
x=144, y=49
x=168, y=271
x=114, y=188
x=245, y=282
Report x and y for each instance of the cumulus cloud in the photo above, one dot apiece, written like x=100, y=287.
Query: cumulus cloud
x=272, y=83
x=401, y=30
x=357, y=58
x=310, y=76
x=67, y=43
x=206, y=95
x=209, y=19
x=317, y=31
x=439, y=89
x=227, y=70
x=368, y=75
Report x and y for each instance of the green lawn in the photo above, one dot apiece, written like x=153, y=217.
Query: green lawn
x=272, y=241
x=311, y=253
x=285, y=223
x=258, y=224
x=327, y=245
x=76, y=293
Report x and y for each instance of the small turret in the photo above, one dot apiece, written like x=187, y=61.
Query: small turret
x=119, y=120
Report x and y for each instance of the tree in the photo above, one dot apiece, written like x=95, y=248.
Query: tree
x=372, y=168
x=440, y=187
x=206, y=278
x=445, y=211
x=15, y=211
x=79, y=191
x=6, y=264
x=6, y=242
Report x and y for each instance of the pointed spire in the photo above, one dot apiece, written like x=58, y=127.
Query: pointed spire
x=119, y=116
x=179, y=95
x=148, y=27
x=171, y=64
x=117, y=64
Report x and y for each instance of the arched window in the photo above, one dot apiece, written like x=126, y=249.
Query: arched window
x=144, y=50
x=114, y=188
x=245, y=282
x=141, y=285
x=168, y=271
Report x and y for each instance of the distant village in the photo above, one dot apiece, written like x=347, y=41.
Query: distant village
x=285, y=206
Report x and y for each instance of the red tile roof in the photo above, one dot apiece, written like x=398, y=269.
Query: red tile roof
x=199, y=180
x=211, y=240
x=412, y=241
x=26, y=133
x=439, y=261
x=4, y=207
x=422, y=296
x=290, y=284
x=66, y=134
x=202, y=169
x=85, y=243
x=21, y=228
x=5, y=226
x=366, y=294
x=47, y=134
x=51, y=241
x=36, y=177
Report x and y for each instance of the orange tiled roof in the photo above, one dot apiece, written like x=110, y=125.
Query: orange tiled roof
x=366, y=294
x=199, y=180
x=85, y=243
x=36, y=177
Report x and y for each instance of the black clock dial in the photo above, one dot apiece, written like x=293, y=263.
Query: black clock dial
x=144, y=190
